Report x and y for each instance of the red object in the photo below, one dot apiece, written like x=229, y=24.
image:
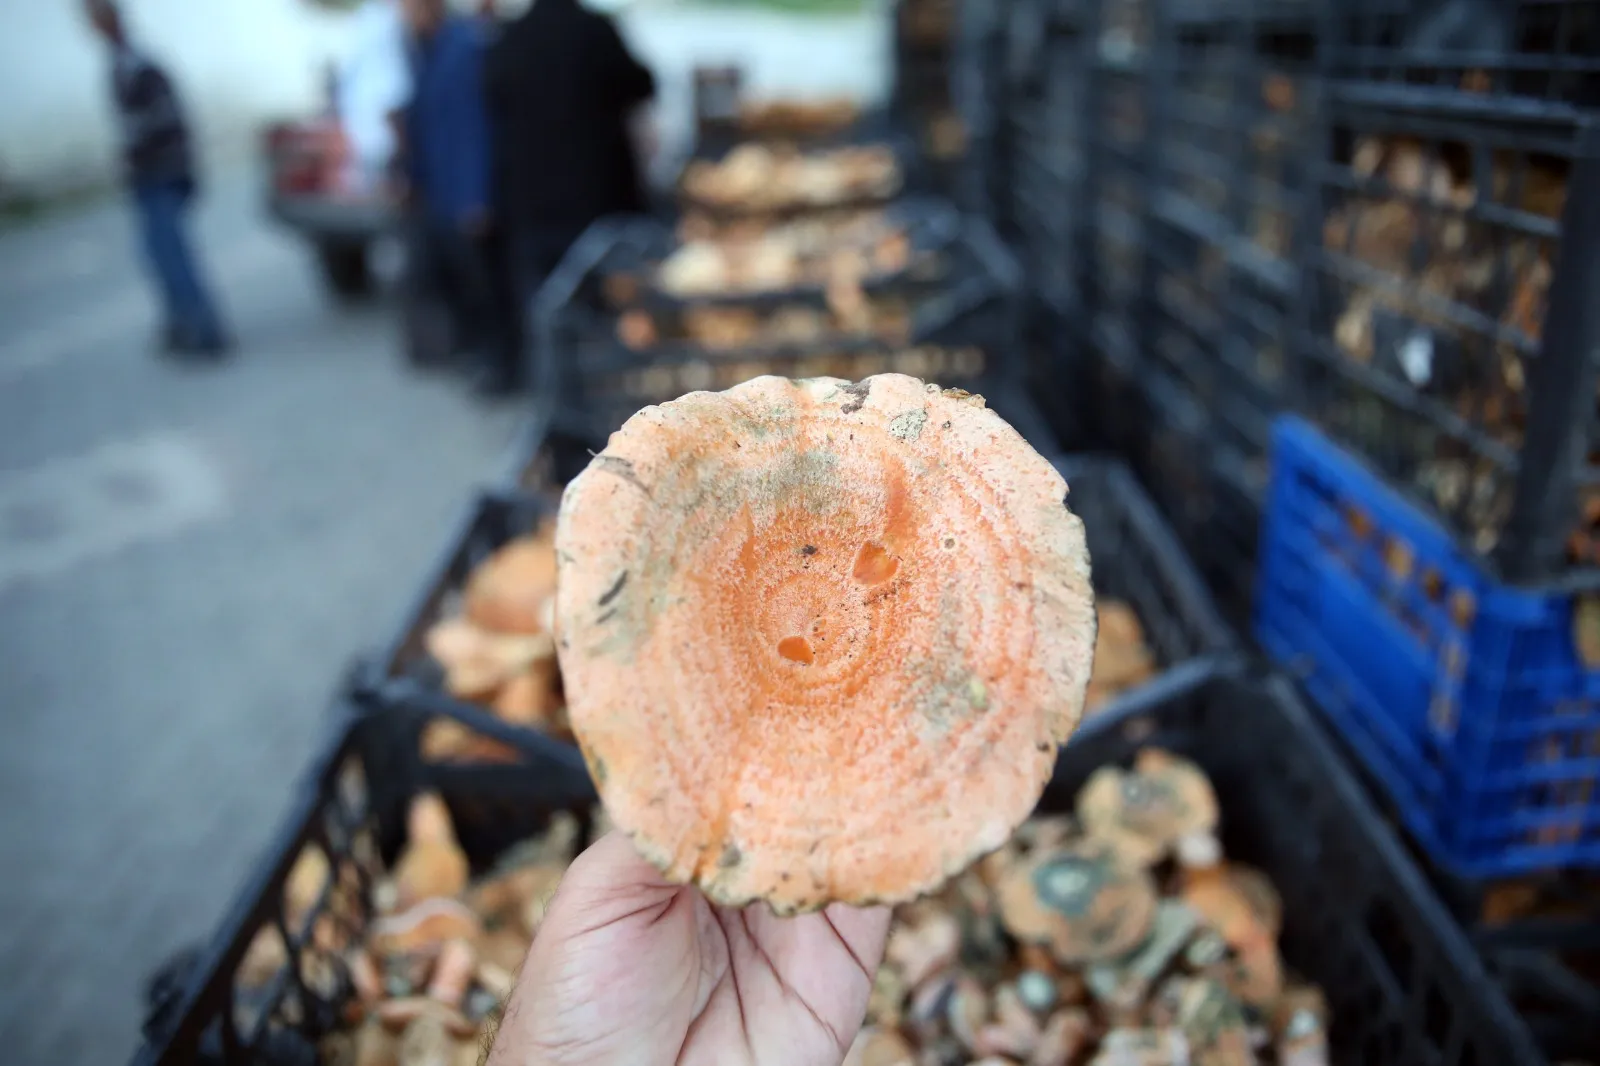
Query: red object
x=306, y=158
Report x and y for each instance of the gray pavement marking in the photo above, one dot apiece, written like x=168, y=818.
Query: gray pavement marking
x=60, y=514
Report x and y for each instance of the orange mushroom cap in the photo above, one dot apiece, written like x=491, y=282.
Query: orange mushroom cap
x=507, y=593
x=820, y=641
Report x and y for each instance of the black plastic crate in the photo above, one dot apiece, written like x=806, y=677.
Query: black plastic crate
x=1138, y=559
x=1043, y=138
x=1542, y=51
x=962, y=332
x=1211, y=493
x=1219, y=334
x=1402, y=982
x=1448, y=332
x=350, y=805
x=1231, y=161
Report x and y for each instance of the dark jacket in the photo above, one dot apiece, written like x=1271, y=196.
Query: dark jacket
x=155, y=138
x=561, y=86
x=447, y=149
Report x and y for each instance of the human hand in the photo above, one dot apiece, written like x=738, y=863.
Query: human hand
x=630, y=969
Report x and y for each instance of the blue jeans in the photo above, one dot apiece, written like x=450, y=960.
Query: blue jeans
x=191, y=316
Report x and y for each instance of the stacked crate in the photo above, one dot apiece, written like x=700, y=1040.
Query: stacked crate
x=1212, y=340
x=1448, y=340
x=922, y=98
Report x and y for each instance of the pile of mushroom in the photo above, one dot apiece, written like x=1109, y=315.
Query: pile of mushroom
x=438, y=959
x=798, y=118
x=498, y=650
x=1118, y=935
x=1122, y=657
x=849, y=315
x=753, y=256
x=663, y=381
x=776, y=178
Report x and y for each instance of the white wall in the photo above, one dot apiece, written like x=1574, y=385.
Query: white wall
x=236, y=61
x=240, y=61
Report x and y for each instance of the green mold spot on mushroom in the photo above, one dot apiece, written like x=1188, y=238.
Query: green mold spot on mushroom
x=978, y=694
x=908, y=426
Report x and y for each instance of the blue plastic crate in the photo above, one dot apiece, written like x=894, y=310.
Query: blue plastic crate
x=1465, y=698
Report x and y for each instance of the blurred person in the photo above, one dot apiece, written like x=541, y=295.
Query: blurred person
x=374, y=83
x=563, y=89
x=160, y=173
x=447, y=156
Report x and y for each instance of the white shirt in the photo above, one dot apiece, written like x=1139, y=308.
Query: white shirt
x=374, y=80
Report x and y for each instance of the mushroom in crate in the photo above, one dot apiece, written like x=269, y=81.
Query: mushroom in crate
x=800, y=617
x=1122, y=656
x=757, y=177
x=437, y=963
x=786, y=255
x=849, y=317
x=1120, y=936
x=498, y=650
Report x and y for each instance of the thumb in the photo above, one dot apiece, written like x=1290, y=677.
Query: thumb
x=613, y=974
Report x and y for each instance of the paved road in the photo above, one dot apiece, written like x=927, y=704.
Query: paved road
x=187, y=560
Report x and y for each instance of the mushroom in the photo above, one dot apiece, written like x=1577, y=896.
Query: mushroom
x=1241, y=905
x=1083, y=902
x=1037, y=990
x=532, y=697
x=1014, y=1031
x=402, y=1015
x=1122, y=658
x=375, y=1045
x=453, y=973
x=365, y=979
x=430, y=1040
x=621, y=288
x=505, y=948
x=924, y=948
x=508, y=895
x=1049, y=831
x=1300, y=1022
x=875, y=1046
x=1124, y=984
x=1066, y=1034
x=447, y=740
x=966, y=1011
x=263, y=959
x=1145, y=811
x=494, y=979
x=308, y=877
x=889, y=988
x=507, y=592
x=821, y=640
x=478, y=661
x=426, y=927
x=1142, y=1047
x=432, y=865
x=1214, y=1024
x=636, y=329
